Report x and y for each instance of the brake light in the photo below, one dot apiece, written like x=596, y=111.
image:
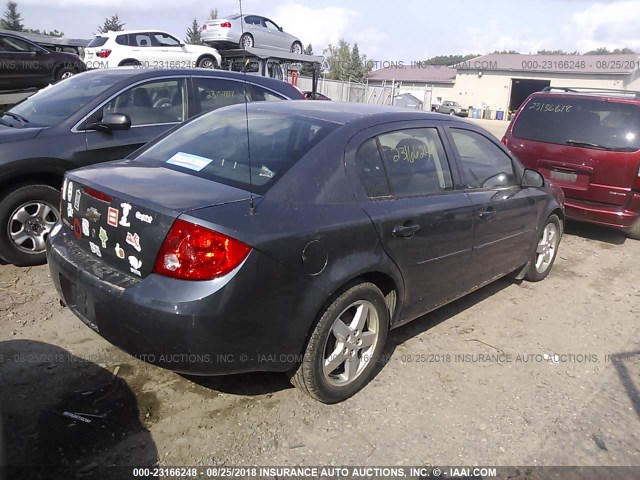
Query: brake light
x=504, y=140
x=103, y=197
x=104, y=53
x=204, y=27
x=225, y=25
x=191, y=252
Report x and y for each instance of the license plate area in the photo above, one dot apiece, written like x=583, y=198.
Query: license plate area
x=564, y=176
x=79, y=301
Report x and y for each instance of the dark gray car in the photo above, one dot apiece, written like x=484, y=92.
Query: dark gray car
x=98, y=116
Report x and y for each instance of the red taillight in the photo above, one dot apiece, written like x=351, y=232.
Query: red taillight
x=98, y=195
x=225, y=25
x=191, y=252
x=504, y=140
x=104, y=53
x=204, y=27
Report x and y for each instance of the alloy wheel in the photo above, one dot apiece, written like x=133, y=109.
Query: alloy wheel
x=30, y=224
x=350, y=344
x=546, y=249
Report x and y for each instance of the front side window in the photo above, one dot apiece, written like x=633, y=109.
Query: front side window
x=165, y=40
x=10, y=44
x=484, y=164
x=414, y=161
x=151, y=103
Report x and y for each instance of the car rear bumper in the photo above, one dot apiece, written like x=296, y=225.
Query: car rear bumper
x=622, y=217
x=254, y=319
x=220, y=38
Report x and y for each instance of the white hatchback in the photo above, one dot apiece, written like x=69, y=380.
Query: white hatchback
x=148, y=49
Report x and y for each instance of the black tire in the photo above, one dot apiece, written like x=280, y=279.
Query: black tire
x=246, y=38
x=129, y=63
x=205, y=61
x=310, y=376
x=296, y=47
x=536, y=273
x=13, y=200
x=634, y=232
x=452, y=112
x=64, y=72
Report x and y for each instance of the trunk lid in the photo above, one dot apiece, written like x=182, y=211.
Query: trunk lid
x=122, y=211
x=586, y=145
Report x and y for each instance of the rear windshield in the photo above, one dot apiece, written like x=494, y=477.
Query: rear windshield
x=582, y=122
x=216, y=146
x=97, y=42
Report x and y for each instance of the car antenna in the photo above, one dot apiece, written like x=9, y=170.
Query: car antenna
x=252, y=207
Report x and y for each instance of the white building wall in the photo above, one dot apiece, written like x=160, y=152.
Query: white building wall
x=492, y=90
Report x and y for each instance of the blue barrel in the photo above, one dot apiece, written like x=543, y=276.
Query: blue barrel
x=476, y=113
x=499, y=115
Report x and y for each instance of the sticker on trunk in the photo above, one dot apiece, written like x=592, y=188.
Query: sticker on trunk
x=134, y=240
x=70, y=191
x=126, y=208
x=136, y=265
x=69, y=209
x=103, y=237
x=112, y=217
x=119, y=251
x=144, y=218
x=95, y=249
x=85, y=227
x=77, y=228
x=187, y=160
x=76, y=201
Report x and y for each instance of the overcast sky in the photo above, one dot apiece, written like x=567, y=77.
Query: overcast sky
x=386, y=31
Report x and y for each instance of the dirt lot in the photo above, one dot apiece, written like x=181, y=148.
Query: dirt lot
x=509, y=401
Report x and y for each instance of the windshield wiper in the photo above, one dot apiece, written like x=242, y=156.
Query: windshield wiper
x=575, y=143
x=20, y=118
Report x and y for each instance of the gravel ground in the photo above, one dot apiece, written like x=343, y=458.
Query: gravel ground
x=476, y=382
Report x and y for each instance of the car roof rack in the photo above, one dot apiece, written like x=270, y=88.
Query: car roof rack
x=594, y=91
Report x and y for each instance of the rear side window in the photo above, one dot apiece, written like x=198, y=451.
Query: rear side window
x=122, y=40
x=414, y=161
x=215, y=93
x=216, y=146
x=580, y=122
x=98, y=42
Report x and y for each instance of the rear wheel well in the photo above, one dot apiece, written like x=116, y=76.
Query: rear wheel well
x=52, y=179
x=128, y=61
x=559, y=213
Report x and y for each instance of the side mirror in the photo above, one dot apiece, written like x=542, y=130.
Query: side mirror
x=281, y=29
x=110, y=122
x=532, y=178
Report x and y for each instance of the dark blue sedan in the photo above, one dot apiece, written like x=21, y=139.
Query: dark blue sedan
x=292, y=236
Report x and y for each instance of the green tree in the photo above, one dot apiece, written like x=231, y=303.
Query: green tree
x=112, y=24
x=356, y=68
x=194, y=36
x=307, y=68
x=52, y=33
x=213, y=14
x=338, y=59
x=449, y=60
x=556, y=52
x=606, y=51
x=12, y=20
x=507, y=52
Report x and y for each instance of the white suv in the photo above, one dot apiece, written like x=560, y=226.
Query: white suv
x=148, y=49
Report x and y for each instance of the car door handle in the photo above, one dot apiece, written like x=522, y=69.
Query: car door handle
x=405, y=231
x=487, y=214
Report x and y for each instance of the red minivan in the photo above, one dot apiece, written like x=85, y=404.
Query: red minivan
x=588, y=142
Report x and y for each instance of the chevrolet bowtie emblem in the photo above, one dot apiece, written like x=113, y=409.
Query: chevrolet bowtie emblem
x=93, y=214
